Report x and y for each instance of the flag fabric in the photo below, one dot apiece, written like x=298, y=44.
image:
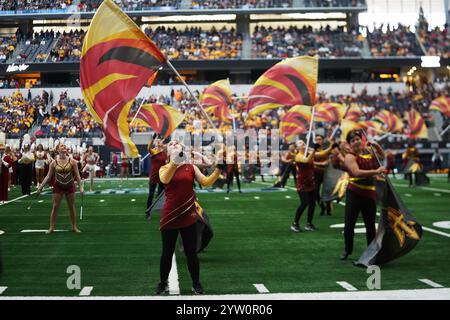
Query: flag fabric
x=329, y=112
x=117, y=60
x=354, y=113
x=441, y=104
x=390, y=121
x=216, y=99
x=220, y=113
x=398, y=232
x=295, y=121
x=416, y=125
x=333, y=179
x=163, y=119
x=204, y=230
x=288, y=83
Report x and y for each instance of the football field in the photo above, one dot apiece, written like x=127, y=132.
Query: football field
x=253, y=251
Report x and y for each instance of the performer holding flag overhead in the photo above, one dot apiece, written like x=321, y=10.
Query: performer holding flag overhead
x=179, y=213
x=361, y=193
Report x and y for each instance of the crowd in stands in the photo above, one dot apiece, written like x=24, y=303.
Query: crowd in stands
x=197, y=44
x=435, y=41
x=240, y=4
x=334, y=3
x=69, y=46
x=397, y=41
x=7, y=46
x=27, y=5
x=293, y=41
x=129, y=5
x=17, y=113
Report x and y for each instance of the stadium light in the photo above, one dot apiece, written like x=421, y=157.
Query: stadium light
x=430, y=61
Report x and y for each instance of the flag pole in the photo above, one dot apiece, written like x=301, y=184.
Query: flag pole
x=339, y=125
x=192, y=94
x=445, y=130
x=137, y=112
x=309, y=132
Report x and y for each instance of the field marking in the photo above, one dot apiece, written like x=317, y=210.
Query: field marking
x=226, y=198
x=2, y=232
x=413, y=294
x=287, y=197
x=431, y=283
x=40, y=231
x=437, y=194
x=86, y=291
x=409, y=195
x=347, y=286
x=442, y=224
x=40, y=201
x=102, y=200
x=174, y=285
x=256, y=197
x=424, y=188
x=21, y=197
x=436, y=232
x=133, y=200
x=2, y=289
x=270, y=184
x=261, y=288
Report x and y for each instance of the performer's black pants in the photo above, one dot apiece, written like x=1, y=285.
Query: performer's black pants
x=230, y=179
x=307, y=199
x=318, y=177
x=169, y=239
x=287, y=171
x=26, y=178
x=151, y=193
x=354, y=204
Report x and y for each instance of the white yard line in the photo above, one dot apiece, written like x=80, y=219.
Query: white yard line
x=174, y=285
x=86, y=291
x=424, y=188
x=431, y=283
x=40, y=231
x=347, y=286
x=436, y=232
x=2, y=289
x=413, y=294
x=261, y=288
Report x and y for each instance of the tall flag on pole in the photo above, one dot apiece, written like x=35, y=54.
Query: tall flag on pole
x=390, y=121
x=162, y=118
x=288, y=83
x=329, y=112
x=116, y=61
x=295, y=121
x=441, y=104
x=217, y=98
x=398, y=232
x=416, y=125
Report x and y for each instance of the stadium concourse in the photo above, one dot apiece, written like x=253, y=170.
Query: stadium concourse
x=319, y=109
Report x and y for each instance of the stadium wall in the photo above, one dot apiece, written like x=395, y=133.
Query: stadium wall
x=329, y=88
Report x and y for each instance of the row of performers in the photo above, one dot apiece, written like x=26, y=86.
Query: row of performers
x=26, y=166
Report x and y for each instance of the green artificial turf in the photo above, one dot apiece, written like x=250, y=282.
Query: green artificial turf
x=118, y=252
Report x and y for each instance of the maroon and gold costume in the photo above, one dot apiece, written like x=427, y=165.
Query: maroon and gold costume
x=4, y=178
x=64, y=178
x=157, y=160
x=364, y=187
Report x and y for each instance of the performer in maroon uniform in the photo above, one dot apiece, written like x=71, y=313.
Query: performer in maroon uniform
x=6, y=165
x=158, y=158
x=179, y=213
x=306, y=184
x=65, y=171
x=361, y=193
x=232, y=169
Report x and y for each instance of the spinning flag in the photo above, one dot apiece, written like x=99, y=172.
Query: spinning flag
x=217, y=98
x=116, y=61
x=416, y=125
x=295, y=121
x=390, y=122
x=288, y=83
x=329, y=112
x=441, y=104
x=354, y=113
x=161, y=118
x=398, y=232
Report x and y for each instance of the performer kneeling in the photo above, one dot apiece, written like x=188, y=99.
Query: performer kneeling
x=65, y=171
x=179, y=214
x=361, y=193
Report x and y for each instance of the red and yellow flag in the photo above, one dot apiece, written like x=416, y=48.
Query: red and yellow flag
x=416, y=125
x=295, y=121
x=354, y=113
x=329, y=112
x=390, y=122
x=162, y=118
x=217, y=98
x=116, y=61
x=288, y=83
x=441, y=104
x=371, y=127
